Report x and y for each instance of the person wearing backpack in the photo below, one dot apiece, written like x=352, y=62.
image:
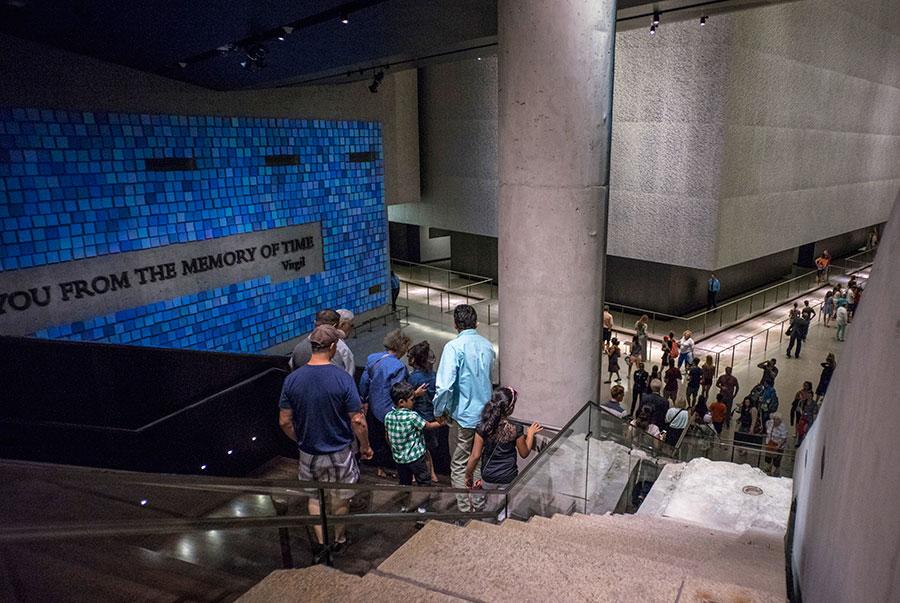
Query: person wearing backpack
x=383, y=370
x=677, y=419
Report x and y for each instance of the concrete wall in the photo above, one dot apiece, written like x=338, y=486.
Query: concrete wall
x=846, y=483
x=785, y=118
x=458, y=126
x=812, y=141
x=34, y=75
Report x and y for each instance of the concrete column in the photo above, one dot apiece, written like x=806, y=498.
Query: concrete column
x=555, y=73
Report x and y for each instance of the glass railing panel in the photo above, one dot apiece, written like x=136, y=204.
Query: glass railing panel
x=555, y=481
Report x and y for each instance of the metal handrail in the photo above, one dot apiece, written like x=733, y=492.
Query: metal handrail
x=153, y=423
x=771, y=287
x=439, y=269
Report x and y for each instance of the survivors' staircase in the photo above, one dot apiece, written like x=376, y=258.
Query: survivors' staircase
x=567, y=558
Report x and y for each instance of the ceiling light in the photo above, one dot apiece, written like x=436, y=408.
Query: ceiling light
x=656, y=17
x=182, y=64
x=144, y=502
x=376, y=81
x=479, y=58
x=345, y=18
x=702, y=20
x=255, y=57
x=281, y=38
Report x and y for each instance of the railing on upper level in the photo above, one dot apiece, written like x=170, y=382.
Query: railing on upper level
x=427, y=286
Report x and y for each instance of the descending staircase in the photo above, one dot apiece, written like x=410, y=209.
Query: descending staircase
x=568, y=558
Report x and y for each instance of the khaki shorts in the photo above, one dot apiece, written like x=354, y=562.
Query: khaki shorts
x=339, y=467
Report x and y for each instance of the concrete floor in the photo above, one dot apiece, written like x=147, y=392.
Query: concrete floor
x=733, y=345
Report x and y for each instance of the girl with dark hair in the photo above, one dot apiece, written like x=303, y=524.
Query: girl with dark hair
x=497, y=440
x=421, y=361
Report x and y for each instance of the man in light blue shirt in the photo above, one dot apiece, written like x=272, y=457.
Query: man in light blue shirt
x=463, y=388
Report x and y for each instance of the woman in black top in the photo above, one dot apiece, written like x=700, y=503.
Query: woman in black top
x=497, y=440
x=641, y=385
x=827, y=371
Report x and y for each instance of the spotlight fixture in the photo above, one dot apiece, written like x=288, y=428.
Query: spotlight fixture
x=345, y=18
x=253, y=439
x=656, y=17
x=653, y=30
x=376, y=81
x=702, y=20
x=202, y=467
x=255, y=57
x=144, y=502
x=479, y=58
x=230, y=452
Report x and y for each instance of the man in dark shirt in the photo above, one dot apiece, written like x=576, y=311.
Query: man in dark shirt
x=321, y=411
x=640, y=387
x=770, y=372
x=672, y=376
x=659, y=404
x=693, y=386
x=728, y=386
x=799, y=330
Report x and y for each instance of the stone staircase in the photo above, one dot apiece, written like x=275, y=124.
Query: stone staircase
x=568, y=558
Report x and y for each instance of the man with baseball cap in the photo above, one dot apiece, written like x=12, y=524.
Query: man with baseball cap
x=321, y=411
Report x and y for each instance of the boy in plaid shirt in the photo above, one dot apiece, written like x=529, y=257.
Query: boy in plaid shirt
x=403, y=427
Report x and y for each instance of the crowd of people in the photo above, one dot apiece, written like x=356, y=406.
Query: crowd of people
x=400, y=412
x=658, y=408
x=394, y=417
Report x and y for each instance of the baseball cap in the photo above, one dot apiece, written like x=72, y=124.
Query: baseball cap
x=325, y=336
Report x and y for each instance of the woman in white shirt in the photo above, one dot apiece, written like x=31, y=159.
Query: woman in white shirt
x=685, y=349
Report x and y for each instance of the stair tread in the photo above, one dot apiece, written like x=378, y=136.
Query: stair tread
x=531, y=570
x=324, y=584
x=762, y=569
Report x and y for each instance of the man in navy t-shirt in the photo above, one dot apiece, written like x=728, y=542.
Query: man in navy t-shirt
x=321, y=411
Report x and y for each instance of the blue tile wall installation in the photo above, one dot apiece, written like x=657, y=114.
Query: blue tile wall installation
x=73, y=185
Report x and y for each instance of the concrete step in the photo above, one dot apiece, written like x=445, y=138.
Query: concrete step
x=321, y=584
x=754, y=559
x=491, y=563
x=724, y=557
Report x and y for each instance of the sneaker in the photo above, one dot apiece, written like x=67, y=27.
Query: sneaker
x=421, y=510
x=339, y=548
x=404, y=509
x=319, y=554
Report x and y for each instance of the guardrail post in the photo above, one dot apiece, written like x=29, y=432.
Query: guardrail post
x=766, y=343
x=750, y=355
x=323, y=516
x=781, y=334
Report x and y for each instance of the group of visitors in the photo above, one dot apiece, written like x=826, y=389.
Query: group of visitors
x=394, y=416
x=840, y=305
x=658, y=409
